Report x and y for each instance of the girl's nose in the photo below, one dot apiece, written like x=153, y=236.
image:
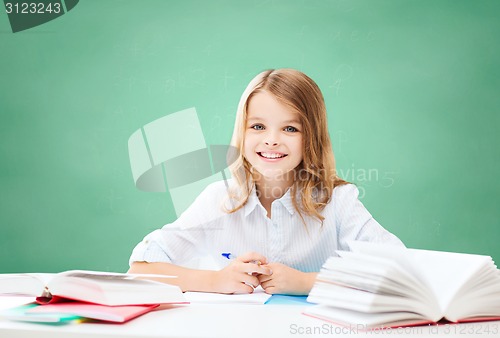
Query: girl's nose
x=271, y=138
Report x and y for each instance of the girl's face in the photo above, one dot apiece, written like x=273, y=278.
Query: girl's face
x=273, y=136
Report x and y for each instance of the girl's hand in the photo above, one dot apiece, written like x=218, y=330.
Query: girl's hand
x=240, y=276
x=285, y=280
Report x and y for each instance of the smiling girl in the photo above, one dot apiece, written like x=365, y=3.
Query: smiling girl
x=286, y=210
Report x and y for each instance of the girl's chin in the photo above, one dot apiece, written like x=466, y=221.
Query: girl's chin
x=273, y=174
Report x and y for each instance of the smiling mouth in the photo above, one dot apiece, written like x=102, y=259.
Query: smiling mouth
x=271, y=156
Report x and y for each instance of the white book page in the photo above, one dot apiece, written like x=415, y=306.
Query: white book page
x=257, y=297
x=109, y=288
x=31, y=284
x=363, y=302
x=372, y=266
x=364, y=321
x=483, y=301
x=443, y=273
x=396, y=254
x=447, y=272
x=110, y=275
x=381, y=257
x=109, y=282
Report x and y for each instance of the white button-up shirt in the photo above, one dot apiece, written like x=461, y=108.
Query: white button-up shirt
x=204, y=231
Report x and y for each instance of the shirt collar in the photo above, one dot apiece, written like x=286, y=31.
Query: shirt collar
x=254, y=202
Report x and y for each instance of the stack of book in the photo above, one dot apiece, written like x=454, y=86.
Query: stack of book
x=77, y=294
x=380, y=286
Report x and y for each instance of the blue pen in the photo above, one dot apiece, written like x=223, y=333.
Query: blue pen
x=229, y=255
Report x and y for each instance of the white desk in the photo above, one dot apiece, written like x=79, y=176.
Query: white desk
x=256, y=321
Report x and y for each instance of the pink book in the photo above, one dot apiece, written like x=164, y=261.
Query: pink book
x=116, y=314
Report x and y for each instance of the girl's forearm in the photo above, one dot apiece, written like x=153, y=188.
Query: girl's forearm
x=309, y=281
x=186, y=279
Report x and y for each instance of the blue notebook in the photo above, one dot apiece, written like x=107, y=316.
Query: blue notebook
x=21, y=313
x=288, y=300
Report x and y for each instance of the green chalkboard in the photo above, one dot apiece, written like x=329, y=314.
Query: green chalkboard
x=411, y=89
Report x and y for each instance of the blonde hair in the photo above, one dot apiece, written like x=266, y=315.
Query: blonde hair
x=317, y=174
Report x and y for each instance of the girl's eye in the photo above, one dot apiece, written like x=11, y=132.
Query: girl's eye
x=291, y=129
x=257, y=127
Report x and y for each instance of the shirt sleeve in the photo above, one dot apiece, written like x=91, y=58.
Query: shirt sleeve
x=182, y=242
x=170, y=244
x=354, y=222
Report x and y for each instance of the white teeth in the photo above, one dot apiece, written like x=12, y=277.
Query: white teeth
x=272, y=155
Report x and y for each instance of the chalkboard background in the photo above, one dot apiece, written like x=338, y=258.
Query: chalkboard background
x=411, y=87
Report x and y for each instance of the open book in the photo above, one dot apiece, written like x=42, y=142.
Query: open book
x=377, y=285
x=91, y=286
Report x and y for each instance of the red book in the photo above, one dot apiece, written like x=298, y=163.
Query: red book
x=116, y=314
